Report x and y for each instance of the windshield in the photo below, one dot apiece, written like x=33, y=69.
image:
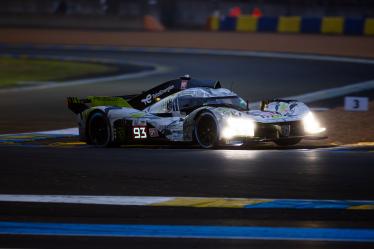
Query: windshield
x=188, y=103
x=233, y=102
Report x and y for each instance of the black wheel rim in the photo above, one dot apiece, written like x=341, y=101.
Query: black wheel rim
x=207, y=131
x=99, y=131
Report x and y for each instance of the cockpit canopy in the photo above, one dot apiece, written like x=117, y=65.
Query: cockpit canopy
x=193, y=98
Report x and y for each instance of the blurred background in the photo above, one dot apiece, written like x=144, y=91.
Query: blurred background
x=320, y=52
x=173, y=14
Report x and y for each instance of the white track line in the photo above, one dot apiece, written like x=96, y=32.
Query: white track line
x=327, y=93
x=160, y=69
x=207, y=51
x=188, y=201
x=334, y=92
x=68, y=131
x=47, y=85
x=279, y=55
x=85, y=199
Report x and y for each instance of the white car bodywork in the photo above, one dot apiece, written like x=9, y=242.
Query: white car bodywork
x=175, y=124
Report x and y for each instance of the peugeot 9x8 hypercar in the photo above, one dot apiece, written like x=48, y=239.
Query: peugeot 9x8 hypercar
x=193, y=111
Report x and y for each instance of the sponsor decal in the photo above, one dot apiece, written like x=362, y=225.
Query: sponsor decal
x=153, y=132
x=150, y=97
x=281, y=107
x=285, y=109
x=139, y=122
x=267, y=115
x=184, y=84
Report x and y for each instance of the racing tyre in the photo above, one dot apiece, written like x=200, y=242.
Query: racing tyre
x=99, y=133
x=206, y=131
x=287, y=141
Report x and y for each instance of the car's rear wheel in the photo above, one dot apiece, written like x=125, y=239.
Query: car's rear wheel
x=206, y=130
x=287, y=141
x=99, y=133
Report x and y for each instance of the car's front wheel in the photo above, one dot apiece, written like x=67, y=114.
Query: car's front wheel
x=206, y=130
x=99, y=133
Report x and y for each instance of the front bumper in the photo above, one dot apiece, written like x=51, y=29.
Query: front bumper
x=274, y=131
x=266, y=132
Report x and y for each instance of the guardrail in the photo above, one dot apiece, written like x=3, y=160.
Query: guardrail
x=336, y=25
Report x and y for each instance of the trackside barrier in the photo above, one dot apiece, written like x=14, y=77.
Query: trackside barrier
x=213, y=23
x=354, y=26
x=310, y=25
x=369, y=26
x=267, y=24
x=335, y=25
x=289, y=24
x=228, y=23
x=332, y=25
x=246, y=23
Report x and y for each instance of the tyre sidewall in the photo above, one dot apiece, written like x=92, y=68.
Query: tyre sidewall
x=196, y=137
x=91, y=139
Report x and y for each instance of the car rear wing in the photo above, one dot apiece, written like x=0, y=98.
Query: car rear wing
x=143, y=100
x=77, y=105
x=168, y=88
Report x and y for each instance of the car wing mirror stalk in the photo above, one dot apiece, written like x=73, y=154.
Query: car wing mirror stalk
x=264, y=103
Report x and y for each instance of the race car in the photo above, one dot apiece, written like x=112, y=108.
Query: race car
x=192, y=111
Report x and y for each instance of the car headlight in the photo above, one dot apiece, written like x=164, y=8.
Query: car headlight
x=236, y=126
x=311, y=124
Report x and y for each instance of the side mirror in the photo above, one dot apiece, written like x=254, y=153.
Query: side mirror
x=264, y=103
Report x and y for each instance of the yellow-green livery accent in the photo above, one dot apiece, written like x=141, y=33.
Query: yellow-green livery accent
x=211, y=202
x=362, y=207
x=138, y=115
x=108, y=101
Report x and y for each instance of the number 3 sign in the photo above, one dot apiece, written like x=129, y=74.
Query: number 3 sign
x=356, y=103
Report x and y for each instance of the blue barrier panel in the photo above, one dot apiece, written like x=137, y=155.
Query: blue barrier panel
x=228, y=23
x=267, y=24
x=354, y=25
x=310, y=25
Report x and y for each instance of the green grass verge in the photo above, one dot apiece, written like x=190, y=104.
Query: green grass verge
x=25, y=71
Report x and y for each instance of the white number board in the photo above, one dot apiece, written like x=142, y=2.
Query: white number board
x=359, y=104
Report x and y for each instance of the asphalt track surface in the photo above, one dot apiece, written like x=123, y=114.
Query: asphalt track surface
x=182, y=171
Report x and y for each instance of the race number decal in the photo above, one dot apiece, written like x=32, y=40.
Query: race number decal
x=139, y=132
